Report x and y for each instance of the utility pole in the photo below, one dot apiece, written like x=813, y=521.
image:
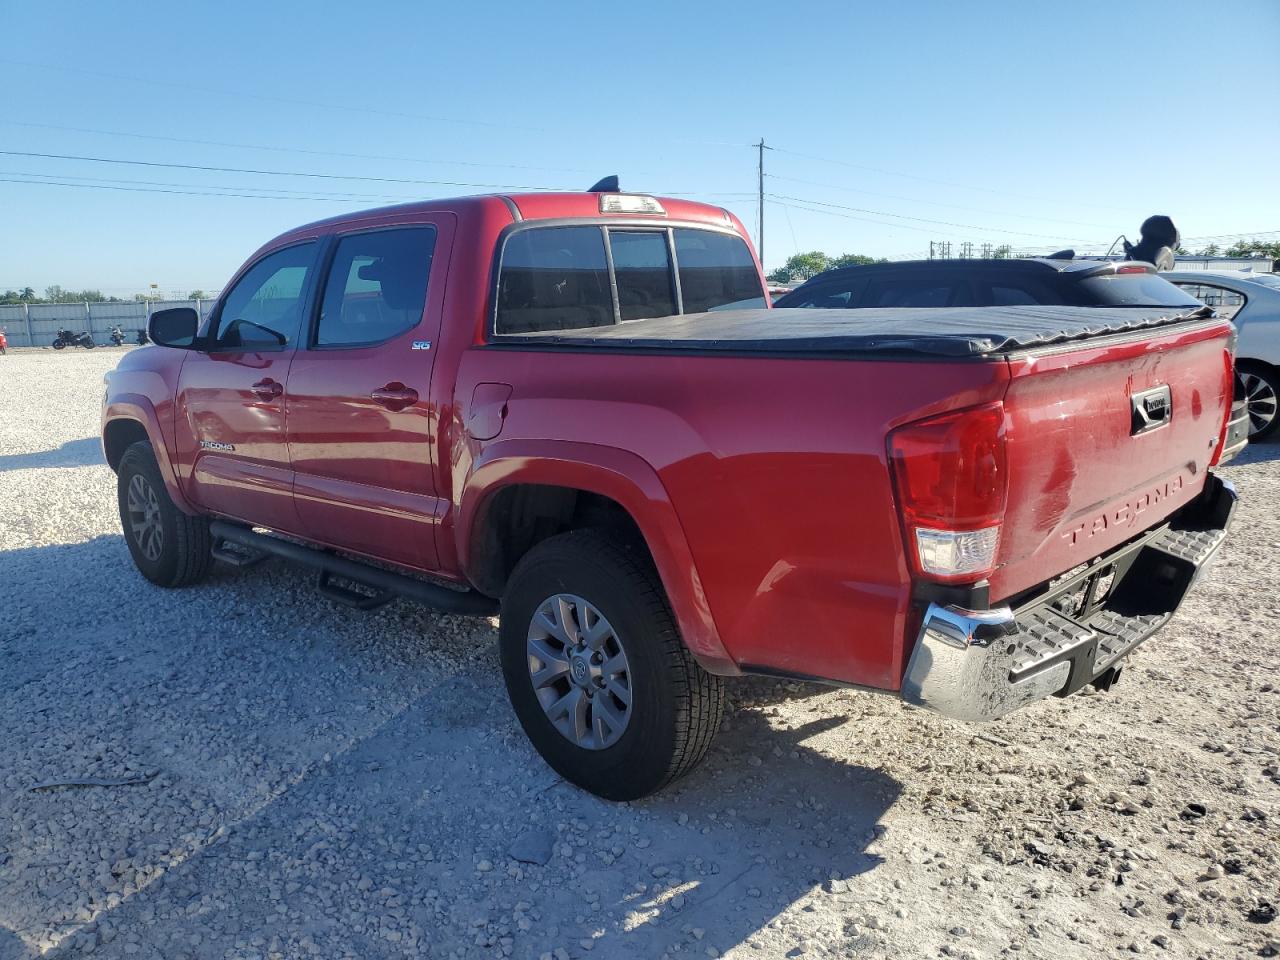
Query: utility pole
x=760, y=199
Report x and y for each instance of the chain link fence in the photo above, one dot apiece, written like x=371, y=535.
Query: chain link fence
x=37, y=324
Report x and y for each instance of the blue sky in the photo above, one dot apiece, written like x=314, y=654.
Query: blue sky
x=1035, y=124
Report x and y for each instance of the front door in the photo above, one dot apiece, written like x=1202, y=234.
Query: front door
x=360, y=434
x=232, y=394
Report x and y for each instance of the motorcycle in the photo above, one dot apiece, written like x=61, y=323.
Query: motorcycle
x=142, y=339
x=70, y=338
x=4, y=343
x=117, y=336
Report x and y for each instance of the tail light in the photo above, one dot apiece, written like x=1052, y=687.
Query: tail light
x=952, y=480
x=1235, y=403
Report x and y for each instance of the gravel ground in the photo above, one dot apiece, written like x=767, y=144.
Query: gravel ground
x=290, y=779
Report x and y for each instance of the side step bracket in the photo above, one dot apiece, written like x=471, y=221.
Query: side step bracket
x=381, y=582
x=345, y=591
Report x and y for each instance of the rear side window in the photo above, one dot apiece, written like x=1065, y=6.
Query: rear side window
x=554, y=278
x=642, y=264
x=1225, y=302
x=377, y=287
x=1135, y=290
x=562, y=278
x=716, y=271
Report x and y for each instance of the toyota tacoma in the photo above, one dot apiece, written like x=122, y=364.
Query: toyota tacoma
x=578, y=410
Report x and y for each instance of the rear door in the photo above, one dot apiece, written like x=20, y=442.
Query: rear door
x=359, y=424
x=232, y=394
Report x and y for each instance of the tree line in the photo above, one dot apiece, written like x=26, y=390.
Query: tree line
x=802, y=266
x=56, y=294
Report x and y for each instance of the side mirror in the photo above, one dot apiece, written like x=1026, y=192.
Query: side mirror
x=175, y=327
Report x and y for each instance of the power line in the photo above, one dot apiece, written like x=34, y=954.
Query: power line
x=190, y=193
x=845, y=216
x=329, y=176
x=300, y=150
x=273, y=173
x=211, y=190
x=317, y=194
x=911, y=176
x=503, y=124
x=935, y=203
x=902, y=216
x=270, y=98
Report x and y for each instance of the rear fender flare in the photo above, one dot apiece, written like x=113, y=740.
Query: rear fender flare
x=138, y=408
x=624, y=478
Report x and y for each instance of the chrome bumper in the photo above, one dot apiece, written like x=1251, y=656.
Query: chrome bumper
x=981, y=664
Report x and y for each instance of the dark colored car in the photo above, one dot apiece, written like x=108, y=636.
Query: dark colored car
x=986, y=283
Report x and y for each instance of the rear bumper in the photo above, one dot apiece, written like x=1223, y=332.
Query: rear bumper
x=981, y=664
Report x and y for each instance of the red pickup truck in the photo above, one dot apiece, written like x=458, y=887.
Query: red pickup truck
x=579, y=410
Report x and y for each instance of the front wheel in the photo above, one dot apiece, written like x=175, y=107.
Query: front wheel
x=58, y=344
x=169, y=547
x=89, y=344
x=596, y=671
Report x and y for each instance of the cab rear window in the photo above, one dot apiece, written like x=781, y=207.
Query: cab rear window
x=567, y=278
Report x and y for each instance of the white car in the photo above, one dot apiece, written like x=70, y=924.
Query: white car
x=1252, y=301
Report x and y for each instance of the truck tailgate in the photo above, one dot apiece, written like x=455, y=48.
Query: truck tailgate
x=1105, y=440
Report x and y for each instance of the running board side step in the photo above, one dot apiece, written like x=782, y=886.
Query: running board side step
x=444, y=599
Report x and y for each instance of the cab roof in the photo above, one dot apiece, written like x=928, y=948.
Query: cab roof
x=522, y=206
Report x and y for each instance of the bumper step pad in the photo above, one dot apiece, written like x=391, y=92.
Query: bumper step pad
x=1150, y=580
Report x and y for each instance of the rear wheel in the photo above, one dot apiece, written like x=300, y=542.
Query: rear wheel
x=596, y=670
x=1260, y=388
x=170, y=548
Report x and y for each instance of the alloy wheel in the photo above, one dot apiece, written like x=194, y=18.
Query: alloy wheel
x=579, y=671
x=144, y=517
x=1260, y=396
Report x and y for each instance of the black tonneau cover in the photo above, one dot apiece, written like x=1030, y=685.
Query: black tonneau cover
x=940, y=331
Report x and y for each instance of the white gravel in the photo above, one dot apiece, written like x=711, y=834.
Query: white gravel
x=336, y=784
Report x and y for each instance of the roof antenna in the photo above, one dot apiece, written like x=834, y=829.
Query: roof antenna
x=608, y=185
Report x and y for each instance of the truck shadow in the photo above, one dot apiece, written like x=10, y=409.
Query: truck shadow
x=373, y=761
x=85, y=452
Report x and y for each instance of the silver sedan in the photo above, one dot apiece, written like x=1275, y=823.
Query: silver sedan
x=1252, y=300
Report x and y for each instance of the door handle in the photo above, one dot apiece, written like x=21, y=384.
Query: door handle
x=395, y=396
x=268, y=389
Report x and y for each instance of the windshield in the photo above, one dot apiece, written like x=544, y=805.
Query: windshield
x=1135, y=290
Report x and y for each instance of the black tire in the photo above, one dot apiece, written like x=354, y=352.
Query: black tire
x=676, y=706
x=1258, y=384
x=89, y=344
x=58, y=344
x=183, y=555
